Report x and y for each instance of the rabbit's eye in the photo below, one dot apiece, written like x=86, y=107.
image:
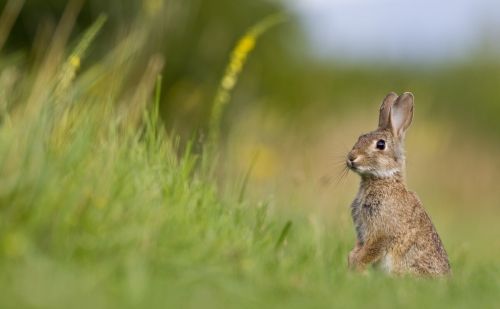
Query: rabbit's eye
x=380, y=144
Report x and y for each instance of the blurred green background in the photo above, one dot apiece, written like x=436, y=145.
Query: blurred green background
x=293, y=115
x=283, y=74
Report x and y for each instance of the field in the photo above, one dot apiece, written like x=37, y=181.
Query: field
x=103, y=205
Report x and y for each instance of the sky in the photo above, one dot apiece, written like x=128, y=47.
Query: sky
x=400, y=30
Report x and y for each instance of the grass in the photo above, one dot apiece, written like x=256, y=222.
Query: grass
x=100, y=207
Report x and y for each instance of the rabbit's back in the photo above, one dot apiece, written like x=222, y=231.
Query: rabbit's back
x=419, y=248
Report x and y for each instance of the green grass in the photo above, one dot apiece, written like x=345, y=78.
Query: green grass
x=100, y=207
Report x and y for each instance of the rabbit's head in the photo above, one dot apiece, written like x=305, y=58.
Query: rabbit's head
x=380, y=153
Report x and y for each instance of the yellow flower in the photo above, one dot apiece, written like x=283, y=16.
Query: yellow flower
x=74, y=61
x=246, y=44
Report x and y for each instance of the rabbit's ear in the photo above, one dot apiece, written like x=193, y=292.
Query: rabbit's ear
x=385, y=110
x=401, y=114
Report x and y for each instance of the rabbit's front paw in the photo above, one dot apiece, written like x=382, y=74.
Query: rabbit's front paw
x=353, y=260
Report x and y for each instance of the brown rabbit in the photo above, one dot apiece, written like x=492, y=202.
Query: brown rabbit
x=393, y=230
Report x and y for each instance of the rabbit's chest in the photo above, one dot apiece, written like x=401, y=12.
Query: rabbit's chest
x=366, y=213
x=369, y=207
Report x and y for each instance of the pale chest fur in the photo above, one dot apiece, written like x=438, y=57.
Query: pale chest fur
x=377, y=207
x=367, y=210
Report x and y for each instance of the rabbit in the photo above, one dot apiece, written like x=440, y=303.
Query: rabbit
x=393, y=230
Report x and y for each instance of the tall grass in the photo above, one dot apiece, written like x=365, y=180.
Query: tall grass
x=97, y=199
x=100, y=207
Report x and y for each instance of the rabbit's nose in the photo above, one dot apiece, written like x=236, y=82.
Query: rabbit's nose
x=351, y=159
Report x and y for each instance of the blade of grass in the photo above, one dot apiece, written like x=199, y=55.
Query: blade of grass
x=284, y=233
x=8, y=17
x=244, y=183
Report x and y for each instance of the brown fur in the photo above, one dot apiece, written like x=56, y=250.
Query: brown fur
x=393, y=229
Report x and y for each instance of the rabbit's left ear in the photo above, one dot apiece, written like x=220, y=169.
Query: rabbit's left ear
x=385, y=110
x=401, y=114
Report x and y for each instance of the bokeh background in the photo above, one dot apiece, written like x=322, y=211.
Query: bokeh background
x=315, y=82
x=311, y=86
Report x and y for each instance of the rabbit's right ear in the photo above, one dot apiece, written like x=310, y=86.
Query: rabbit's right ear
x=385, y=110
x=401, y=114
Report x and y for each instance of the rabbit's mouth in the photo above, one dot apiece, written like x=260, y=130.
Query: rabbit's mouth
x=369, y=171
x=353, y=166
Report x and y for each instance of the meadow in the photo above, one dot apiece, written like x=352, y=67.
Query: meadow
x=104, y=205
